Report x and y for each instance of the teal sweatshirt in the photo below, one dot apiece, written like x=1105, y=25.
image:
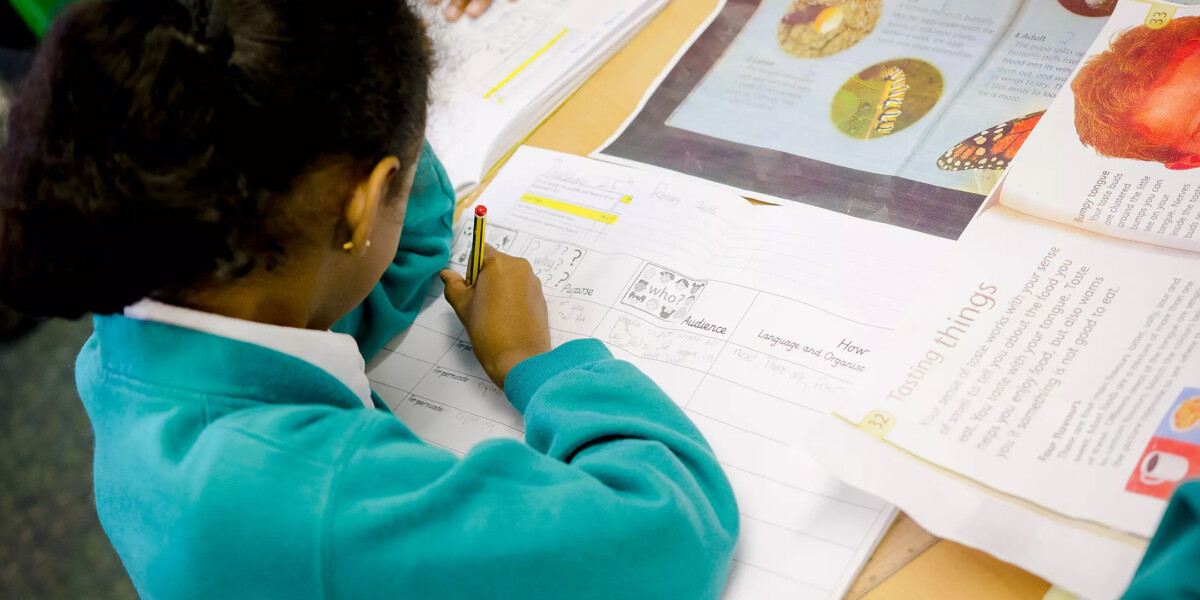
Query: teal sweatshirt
x=227, y=470
x=1171, y=564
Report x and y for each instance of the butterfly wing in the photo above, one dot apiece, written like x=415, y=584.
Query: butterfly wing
x=991, y=148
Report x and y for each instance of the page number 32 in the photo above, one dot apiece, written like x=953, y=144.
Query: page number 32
x=878, y=423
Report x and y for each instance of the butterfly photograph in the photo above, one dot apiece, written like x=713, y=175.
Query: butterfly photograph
x=990, y=149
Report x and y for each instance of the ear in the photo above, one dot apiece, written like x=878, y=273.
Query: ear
x=1183, y=163
x=363, y=207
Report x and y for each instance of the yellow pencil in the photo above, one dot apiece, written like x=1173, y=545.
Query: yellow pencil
x=476, y=261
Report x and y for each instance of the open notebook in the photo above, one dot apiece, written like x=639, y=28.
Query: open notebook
x=501, y=75
x=748, y=317
x=1044, y=402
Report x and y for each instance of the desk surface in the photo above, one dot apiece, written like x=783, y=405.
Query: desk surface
x=909, y=563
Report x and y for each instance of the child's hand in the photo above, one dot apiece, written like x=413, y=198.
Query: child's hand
x=456, y=8
x=504, y=312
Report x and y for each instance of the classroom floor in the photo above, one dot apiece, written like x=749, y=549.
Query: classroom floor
x=51, y=544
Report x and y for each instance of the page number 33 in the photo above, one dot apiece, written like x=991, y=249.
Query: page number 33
x=1159, y=16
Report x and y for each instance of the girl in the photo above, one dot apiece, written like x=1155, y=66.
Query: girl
x=239, y=190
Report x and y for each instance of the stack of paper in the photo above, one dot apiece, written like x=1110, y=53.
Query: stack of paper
x=500, y=75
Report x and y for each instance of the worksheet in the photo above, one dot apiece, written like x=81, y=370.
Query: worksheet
x=749, y=317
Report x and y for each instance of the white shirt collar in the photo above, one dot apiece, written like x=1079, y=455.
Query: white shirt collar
x=335, y=353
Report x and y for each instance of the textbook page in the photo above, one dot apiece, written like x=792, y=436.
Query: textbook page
x=1061, y=374
x=1138, y=112
x=748, y=317
x=498, y=76
x=864, y=107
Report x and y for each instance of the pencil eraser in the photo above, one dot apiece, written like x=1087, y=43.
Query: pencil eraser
x=481, y=211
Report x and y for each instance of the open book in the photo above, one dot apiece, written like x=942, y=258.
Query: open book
x=499, y=76
x=863, y=107
x=1044, y=402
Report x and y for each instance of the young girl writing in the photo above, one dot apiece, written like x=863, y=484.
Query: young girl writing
x=239, y=190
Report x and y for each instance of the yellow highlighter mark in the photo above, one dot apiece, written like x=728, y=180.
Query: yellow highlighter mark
x=505, y=81
x=571, y=209
x=626, y=199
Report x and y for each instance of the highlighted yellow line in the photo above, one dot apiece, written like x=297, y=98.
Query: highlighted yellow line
x=626, y=199
x=526, y=63
x=571, y=209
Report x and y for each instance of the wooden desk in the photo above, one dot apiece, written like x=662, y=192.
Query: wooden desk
x=909, y=563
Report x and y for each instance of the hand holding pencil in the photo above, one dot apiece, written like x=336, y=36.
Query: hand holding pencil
x=504, y=312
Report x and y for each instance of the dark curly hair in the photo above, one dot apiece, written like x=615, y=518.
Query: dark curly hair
x=160, y=144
